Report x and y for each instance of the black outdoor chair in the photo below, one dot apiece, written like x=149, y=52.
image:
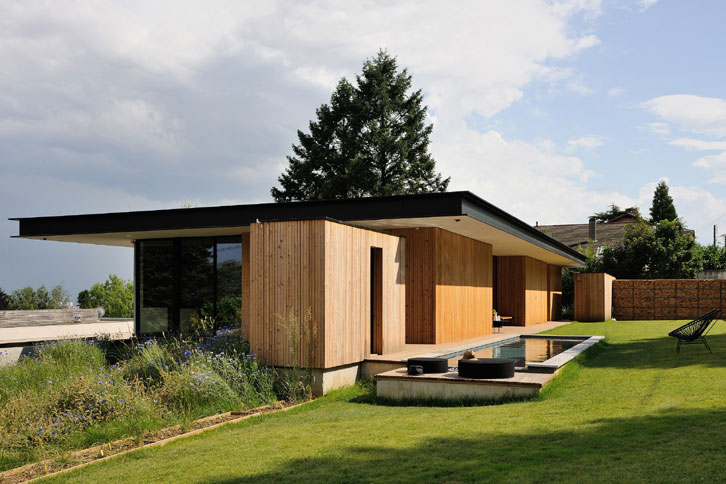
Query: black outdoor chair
x=696, y=330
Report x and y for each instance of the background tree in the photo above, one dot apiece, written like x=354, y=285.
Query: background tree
x=711, y=257
x=613, y=212
x=28, y=298
x=4, y=300
x=661, y=252
x=371, y=140
x=662, y=208
x=115, y=296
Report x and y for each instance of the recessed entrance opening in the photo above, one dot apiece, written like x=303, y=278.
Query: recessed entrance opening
x=376, y=300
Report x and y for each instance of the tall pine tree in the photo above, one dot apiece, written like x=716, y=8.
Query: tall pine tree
x=662, y=208
x=371, y=140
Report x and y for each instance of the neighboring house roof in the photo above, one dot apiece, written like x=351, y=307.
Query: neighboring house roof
x=578, y=235
x=624, y=218
x=459, y=212
x=606, y=233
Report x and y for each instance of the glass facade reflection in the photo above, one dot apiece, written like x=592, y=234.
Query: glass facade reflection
x=188, y=283
x=156, y=267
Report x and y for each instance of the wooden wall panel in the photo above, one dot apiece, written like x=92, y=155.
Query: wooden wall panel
x=348, y=292
x=511, y=288
x=463, y=287
x=287, y=269
x=535, y=277
x=554, y=292
x=420, y=284
x=448, y=286
x=593, y=296
x=322, y=268
x=245, y=284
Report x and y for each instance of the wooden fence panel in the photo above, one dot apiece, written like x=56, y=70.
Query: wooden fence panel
x=666, y=299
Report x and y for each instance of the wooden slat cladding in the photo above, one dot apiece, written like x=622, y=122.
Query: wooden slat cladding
x=246, y=284
x=535, y=291
x=511, y=288
x=522, y=289
x=323, y=267
x=554, y=292
x=448, y=286
x=420, y=285
x=593, y=296
x=348, y=298
x=463, y=287
x=636, y=299
x=287, y=270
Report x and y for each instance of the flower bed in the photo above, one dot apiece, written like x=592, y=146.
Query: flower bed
x=74, y=394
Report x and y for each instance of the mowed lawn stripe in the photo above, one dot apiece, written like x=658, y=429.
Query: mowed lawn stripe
x=629, y=411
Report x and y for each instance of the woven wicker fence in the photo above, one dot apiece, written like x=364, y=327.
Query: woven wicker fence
x=638, y=299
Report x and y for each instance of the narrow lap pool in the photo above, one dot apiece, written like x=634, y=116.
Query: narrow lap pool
x=523, y=349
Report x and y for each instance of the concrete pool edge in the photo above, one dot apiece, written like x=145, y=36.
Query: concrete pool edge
x=558, y=361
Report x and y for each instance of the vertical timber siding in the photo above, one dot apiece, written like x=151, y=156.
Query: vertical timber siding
x=522, y=289
x=554, y=292
x=420, y=285
x=287, y=270
x=535, y=291
x=636, y=299
x=463, y=287
x=448, y=286
x=246, y=284
x=347, y=293
x=593, y=296
x=511, y=288
x=322, y=268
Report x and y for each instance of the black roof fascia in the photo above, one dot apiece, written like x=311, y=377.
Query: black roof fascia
x=373, y=208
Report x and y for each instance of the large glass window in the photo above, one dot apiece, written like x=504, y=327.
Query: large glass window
x=229, y=280
x=156, y=269
x=196, y=283
x=184, y=283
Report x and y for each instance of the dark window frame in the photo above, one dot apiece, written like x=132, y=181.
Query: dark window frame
x=176, y=271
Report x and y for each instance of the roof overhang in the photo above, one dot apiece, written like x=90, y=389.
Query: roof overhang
x=458, y=212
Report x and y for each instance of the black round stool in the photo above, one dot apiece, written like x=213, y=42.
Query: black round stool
x=486, y=368
x=430, y=365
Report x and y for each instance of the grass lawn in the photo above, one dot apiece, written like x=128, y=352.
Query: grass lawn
x=629, y=411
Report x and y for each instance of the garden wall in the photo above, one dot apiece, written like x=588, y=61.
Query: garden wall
x=46, y=317
x=637, y=299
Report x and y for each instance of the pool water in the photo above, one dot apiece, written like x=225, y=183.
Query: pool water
x=523, y=350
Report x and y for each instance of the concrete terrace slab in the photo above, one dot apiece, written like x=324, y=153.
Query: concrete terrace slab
x=397, y=385
x=29, y=334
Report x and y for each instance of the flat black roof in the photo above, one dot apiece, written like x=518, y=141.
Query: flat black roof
x=428, y=205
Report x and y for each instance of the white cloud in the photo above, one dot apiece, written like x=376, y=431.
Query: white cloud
x=661, y=129
x=697, y=114
x=698, y=144
x=588, y=143
x=616, y=91
x=534, y=183
x=149, y=103
x=644, y=5
x=716, y=164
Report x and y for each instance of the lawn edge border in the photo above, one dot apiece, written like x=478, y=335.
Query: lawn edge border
x=158, y=443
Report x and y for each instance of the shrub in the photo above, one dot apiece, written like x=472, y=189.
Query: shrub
x=195, y=387
x=148, y=362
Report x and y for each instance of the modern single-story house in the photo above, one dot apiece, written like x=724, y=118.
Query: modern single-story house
x=366, y=275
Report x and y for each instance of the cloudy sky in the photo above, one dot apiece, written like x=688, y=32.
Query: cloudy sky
x=550, y=110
